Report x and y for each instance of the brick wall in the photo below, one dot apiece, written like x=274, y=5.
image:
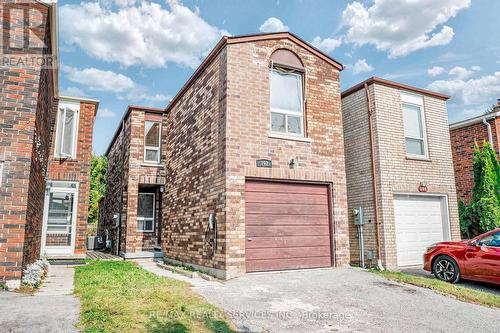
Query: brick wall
x=128, y=174
x=395, y=172
x=78, y=169
x=26, y=114
x=462, y=143
x=195, y=167
x=218, y=129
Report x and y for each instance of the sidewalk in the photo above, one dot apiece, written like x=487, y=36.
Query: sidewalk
x=52, y=309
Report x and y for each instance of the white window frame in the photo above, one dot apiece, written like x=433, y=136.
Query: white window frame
x=416, y=101
x=145, y=219
x=60, y=128
x=286, y=112
x=158, y=149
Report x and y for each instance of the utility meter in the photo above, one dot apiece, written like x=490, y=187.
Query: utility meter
x=359, y=216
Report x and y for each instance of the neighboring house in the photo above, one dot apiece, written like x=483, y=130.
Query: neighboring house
x=412, y=166
x=463, y=136
x=132, y=208
x=254, y=170
x=29, y=99
x=68, y=182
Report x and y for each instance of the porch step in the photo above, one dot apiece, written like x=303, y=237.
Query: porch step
x=67, y=262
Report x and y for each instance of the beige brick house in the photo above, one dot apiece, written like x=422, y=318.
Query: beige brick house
x=252, y=152
x=412, y=167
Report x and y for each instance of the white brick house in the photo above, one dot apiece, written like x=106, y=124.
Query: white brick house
x=413, y=168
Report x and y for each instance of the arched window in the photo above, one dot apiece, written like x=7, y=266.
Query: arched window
x=286, y=76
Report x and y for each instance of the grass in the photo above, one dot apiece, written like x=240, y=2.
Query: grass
x=461, y=293
x=119, y=296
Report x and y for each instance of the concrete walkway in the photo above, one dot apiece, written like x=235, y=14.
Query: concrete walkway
x=52, y=309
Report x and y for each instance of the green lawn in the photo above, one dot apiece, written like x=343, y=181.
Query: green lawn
x=461, y=293
x=118, y=296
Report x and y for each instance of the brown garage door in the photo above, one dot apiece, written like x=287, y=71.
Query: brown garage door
x=287, y=226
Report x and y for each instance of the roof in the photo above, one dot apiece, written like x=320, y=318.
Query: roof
x=125, y=116
x=393, y=84
x=81, y=99
x=495, y=113
x=244, y=39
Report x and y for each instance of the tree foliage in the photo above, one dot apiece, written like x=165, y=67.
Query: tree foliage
x=483, y=213
x=97, y=186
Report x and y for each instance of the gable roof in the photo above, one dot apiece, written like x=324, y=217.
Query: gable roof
x=125, y=116
x=393, y=84
x=227, y=40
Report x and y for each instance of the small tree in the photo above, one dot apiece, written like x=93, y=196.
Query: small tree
x=483, y=213
x=97, y=186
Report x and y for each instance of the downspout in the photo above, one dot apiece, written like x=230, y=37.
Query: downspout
x=490, y=136
x=374, y=180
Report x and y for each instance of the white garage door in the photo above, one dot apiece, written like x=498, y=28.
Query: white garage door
x=420, y=222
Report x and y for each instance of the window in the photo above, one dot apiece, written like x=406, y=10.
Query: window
x=146, y=212
x=152, y=142
x=414, y=127
x=67, y=130
x=287, y=111
x=490, y=240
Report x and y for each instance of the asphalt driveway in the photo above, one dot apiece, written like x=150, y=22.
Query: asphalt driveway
x=342, y=300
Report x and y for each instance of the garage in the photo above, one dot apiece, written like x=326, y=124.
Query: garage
x=420, y=220
x=287, y=226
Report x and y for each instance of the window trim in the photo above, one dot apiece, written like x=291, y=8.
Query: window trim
x=158, y=149
x=59, y=127
x=144, y=219
x=302, y=115
x=411, y=100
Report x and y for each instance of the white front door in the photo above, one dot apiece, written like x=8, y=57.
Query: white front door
x=421, y=220
x=59, y=222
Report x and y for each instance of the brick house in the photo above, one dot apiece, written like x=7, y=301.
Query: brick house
x=412, y=168
x=253, y=154
x=132, y=208
x=463, y=135
x=29, y=99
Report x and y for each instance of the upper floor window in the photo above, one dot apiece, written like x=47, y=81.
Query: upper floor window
x=414, y=125
x=67, y=130
x=287, y=102
x=152, y=141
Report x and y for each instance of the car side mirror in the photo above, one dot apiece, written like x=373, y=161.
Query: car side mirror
x=473, y=243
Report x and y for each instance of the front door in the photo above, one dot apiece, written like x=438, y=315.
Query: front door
x=59, y=221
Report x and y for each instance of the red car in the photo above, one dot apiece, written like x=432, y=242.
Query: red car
x=477, y=259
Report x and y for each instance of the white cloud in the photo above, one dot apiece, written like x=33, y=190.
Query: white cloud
x=141, y=33
x=475, y=68
x=401, y=27
x=361, y=66
x=460, y=72
x=327, y=44
x=482, y=90
x=72, y=92
x=99, y=80
x=106, y=113
x=435, y=71
x=273, y=24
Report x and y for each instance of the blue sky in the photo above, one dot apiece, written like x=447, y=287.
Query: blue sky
x=132, y=52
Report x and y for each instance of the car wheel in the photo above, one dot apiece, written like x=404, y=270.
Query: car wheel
x=446, y=269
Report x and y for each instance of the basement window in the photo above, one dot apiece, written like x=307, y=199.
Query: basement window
x=146, y=212
x=152, y=142
x=67, y=130
x=287, y=102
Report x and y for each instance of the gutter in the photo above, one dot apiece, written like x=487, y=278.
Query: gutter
x=374, y=180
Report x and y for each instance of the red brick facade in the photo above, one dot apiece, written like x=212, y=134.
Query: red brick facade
x=127, y=175
x=27, y=107
x=463, y=136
